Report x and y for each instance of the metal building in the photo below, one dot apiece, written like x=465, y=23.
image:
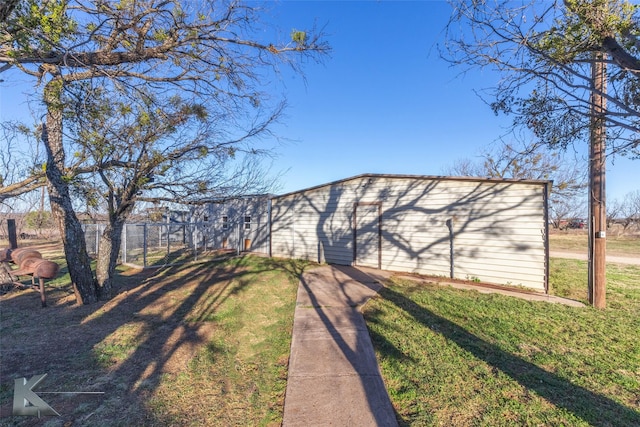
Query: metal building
x=489, y=230
x=239, y=223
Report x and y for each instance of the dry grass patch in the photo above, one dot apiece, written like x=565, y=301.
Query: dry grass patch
x=203, y=344
x=577, y=241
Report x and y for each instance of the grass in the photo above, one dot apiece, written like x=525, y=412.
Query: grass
x=242, y=370
x=452, y=357
x=576, y=241
x=180, y=255
x=201, y=344
x=208, y=344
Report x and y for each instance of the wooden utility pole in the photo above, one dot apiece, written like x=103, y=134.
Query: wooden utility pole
x=597, y=194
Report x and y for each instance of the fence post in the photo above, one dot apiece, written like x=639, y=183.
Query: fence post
x=238, y=239
x=144, y=244
x=168, y=241
x=124, y=244
x=205, y=230
x=194, y=240
x=13, y=234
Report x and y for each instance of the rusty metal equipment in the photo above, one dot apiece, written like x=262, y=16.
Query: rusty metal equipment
x=20, y=254
x=31, y=264
x=5, y=255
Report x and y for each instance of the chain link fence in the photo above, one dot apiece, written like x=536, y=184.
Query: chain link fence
x=157, y=244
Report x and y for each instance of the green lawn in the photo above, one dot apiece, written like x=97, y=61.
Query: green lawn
x=239, y=376
x=452, y=357
x=577, y=242
x=449, y=357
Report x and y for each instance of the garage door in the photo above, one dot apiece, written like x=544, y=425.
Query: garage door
x=367, y=234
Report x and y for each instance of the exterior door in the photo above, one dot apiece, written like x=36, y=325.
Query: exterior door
x=367, y=234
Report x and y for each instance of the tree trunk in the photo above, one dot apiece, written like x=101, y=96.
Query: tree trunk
x=108, y=249
x=75, y=250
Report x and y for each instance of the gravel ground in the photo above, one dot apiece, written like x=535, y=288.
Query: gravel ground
x=583, y=256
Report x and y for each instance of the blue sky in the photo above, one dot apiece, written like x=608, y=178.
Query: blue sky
x=382, y=102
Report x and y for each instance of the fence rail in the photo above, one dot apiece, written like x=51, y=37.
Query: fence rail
x=155, y=244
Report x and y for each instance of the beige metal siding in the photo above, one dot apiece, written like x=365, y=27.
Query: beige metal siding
x=313, y=226
x=367, y=235
x=468, y=229
x=236, y=233
x=282, y=229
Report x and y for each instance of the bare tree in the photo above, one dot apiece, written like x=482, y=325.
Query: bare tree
x=520, y=160
x=614, y=211
x=466, y=167
x=20, y=172
x=630, y=210
x=562, y=211
x=543, y=52
x=6, y=7
x=145, y=151
x=569, y=73
x=208, y=51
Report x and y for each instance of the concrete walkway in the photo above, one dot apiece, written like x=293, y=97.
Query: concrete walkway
x=334, y=378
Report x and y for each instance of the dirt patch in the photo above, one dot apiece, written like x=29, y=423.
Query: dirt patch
x=122, y=347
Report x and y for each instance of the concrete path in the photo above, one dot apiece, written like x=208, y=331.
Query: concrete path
x=334, y=379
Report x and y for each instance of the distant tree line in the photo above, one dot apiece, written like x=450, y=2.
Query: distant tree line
x=625, y=212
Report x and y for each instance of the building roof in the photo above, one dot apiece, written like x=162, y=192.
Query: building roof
x=421, y=177
x=237, y=197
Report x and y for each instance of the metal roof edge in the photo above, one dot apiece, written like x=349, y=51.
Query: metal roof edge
x=424, y=177
x=237, y=197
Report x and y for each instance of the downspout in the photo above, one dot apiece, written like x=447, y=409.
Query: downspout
x=452, y=274
x=547, y=190
x=269, y=227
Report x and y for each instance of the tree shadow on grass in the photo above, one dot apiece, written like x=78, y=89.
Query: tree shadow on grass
x=122, y=347
x=593, y=408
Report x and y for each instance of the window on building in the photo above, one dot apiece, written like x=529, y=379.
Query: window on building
x=247, y=222
x=206, y=218
x=225, y=222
